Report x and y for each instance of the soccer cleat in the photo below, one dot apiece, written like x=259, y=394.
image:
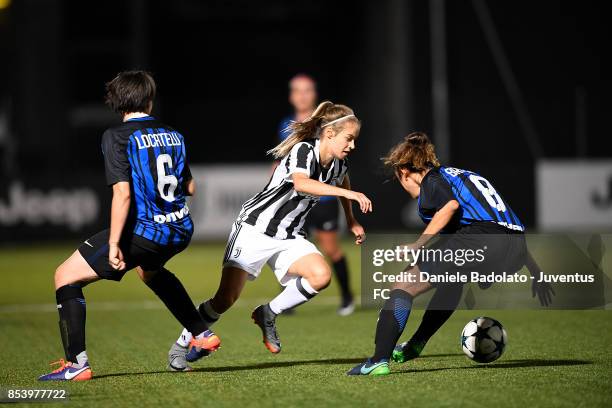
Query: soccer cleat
x=266, y=320
x=68, y=372
x=408, y=350
x=370, y=368
x=209, y=341
x=194, y=354
x=176, y=358
x=346, y=308
x=201, y=347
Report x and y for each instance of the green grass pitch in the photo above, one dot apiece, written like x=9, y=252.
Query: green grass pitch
x=553, y=359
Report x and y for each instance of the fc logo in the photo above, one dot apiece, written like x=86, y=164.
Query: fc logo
x=237, y=252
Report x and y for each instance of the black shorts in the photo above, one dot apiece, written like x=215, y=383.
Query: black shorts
x=323, y=216
x=137, y=251
x=501, y=249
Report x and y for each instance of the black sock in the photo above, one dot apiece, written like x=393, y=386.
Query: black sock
x=441, y=306
x=341, y=271
x=72, y=314
x=171, y=291
x=391, y=322
x=208, y=318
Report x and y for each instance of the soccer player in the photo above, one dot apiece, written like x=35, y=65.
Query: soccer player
x=313, y=163
x=146, y=165
x=471, y=214
x=322, y=219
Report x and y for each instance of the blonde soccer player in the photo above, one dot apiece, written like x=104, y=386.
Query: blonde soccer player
x=322, y=221
x=313, y=163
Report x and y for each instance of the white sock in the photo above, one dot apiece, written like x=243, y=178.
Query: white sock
x=297, y=291
x=185, y=338
x=82, y=359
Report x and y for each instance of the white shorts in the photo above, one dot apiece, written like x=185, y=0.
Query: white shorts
x=249, y=249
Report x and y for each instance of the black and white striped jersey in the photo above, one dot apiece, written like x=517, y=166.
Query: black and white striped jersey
x=279, y=211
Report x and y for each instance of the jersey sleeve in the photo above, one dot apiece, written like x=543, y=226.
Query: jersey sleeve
x=116, y=163
x=300, y=159
x=436, y=193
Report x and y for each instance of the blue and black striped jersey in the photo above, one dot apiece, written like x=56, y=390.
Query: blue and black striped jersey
x=477, y=198
x=152, y=158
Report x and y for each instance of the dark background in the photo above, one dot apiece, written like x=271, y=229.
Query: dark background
x=222, y=69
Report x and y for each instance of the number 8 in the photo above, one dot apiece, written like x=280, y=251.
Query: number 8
x=164, y=179
x=488, y=192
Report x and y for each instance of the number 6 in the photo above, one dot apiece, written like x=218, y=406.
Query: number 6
x=163, y=179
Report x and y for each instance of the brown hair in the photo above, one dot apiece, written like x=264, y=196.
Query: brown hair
x=325, y=113
x=130, y=91
x=415, y=153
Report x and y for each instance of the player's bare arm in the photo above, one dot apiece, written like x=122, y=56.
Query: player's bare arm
x=120, y=208
x=190, y=187
x=351, y=222
x=303, y=184
x=438, y=222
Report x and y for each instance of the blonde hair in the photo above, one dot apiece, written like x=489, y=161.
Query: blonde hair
x=324, y=114
x=415, y=153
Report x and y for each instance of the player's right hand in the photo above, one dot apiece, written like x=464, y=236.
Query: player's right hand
x=364, y=202
x=115, y=257
x=544, y=291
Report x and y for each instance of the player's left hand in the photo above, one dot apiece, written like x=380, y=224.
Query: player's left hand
x=544, y=291
x=359, y=232
x=115, y=257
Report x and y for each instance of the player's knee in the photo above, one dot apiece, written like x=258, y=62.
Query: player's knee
x=319, y=276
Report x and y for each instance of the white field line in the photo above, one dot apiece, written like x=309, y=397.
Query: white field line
x=140, y=305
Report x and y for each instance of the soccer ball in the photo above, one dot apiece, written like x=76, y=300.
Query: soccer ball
x=483, y=339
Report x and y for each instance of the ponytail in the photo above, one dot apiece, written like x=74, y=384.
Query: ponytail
x=326, y=113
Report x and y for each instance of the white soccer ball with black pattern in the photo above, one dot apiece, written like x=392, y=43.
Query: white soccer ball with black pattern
x=483, y=339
